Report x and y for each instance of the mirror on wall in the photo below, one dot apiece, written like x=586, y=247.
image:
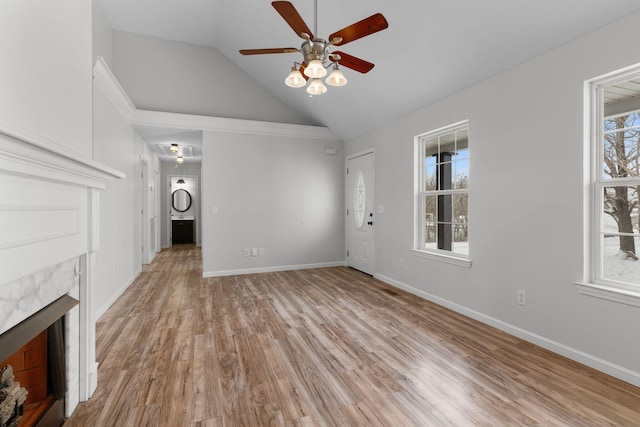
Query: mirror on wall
x=181, y=200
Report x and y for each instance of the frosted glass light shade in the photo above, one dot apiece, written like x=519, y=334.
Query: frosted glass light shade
x=315, y=69
x=295, y=79
x=174, y=148
x=316, y=87
x=180, y=159
x=336, y=78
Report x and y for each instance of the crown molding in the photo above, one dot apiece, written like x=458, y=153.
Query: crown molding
x=220, y=124
x=107, y=83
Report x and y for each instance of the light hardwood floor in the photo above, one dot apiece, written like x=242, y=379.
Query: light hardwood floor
x=324, y=347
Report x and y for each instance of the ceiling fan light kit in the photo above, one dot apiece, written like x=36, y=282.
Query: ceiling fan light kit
x=316, y=87
x=315, y=69
x=316, y=51
x=295, y=78
x=336, y=78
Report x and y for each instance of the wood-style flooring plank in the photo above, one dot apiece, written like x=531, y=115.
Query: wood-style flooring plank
x=323, y=347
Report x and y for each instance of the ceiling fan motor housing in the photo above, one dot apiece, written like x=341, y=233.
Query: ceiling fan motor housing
x=315, y=49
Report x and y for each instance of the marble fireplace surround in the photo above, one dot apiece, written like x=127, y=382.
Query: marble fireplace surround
x=49, y=232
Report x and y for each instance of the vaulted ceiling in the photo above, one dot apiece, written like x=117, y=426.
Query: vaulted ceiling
x=432, y=48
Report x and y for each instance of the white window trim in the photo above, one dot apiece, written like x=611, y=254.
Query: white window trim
x=433, y=254
x=593, y=129
x=442, y=256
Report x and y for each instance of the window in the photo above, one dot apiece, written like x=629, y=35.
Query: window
x=613, y=268
x=442, y=194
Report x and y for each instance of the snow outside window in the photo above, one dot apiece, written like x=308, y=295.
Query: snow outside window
x=618, y=240
x=613, y=172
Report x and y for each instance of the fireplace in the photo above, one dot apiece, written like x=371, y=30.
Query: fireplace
x=49, y=233
x=33, y=360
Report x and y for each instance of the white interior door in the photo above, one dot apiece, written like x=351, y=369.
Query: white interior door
x=144, y=211
x=360, y=219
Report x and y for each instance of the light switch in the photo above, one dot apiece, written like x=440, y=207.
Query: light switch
x=214, y=210
x=380, y=209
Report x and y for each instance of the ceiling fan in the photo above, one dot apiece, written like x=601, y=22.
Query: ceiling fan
x=316, y=51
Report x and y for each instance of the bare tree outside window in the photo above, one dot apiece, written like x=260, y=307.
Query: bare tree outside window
x=612, y=229
x=621, y=158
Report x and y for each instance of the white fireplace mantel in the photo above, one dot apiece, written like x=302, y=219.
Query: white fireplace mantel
x=49, y=217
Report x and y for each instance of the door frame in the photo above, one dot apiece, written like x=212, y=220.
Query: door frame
x=144, y=211
x=196, y=206
x=365, y=152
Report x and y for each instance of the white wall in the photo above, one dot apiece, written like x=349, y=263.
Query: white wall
x=45, y=88
x=102, y=35
x=526, y=136
x=119, y=259
x=280, y=193
x=162, y=75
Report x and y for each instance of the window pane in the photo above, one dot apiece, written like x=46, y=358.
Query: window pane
x=618, y=264
x=460, y=223
x=460, y=208
x=462, y=140
x=430, y=174
x=431, y=147
x=460, y=239
x=445, y=174
x=621, y=144
x=445, y=220
x=461, y=174
x=630, y=120
x=462, y=154
x=359, y=199
x=448, y=143
x=430, y=221
x=620, y=208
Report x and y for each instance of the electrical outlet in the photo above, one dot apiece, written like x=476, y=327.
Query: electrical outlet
x=246, y=252
x=260, y=251
x=254, y=251
x=521, y=297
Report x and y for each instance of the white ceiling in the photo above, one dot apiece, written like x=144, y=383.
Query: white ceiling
x=431, y=49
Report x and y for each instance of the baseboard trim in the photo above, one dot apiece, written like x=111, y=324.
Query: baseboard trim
x=609, y=368
x=223, y=273
x=117, y=295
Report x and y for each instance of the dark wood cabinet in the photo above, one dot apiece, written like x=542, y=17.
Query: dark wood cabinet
x=182, y=231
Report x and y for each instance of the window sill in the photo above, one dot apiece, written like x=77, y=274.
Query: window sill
x=449, y=259
x=611, y=293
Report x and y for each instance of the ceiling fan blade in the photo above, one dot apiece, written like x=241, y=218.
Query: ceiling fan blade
x=293, y=18
x=352, y=62
x=360, y=29
x=264, y=51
